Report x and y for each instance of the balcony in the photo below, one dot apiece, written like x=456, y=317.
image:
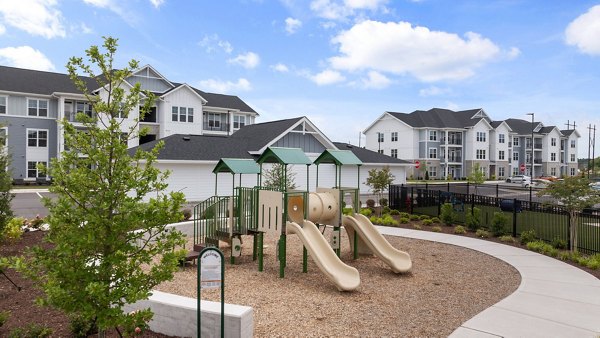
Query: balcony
x=537, y=161
x=451, y=159
x=72, y=116
x=456, y=141
x=150, y=117
x=211, y=126
x=537, y=145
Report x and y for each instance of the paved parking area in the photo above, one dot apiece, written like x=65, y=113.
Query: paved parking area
x=28, y=202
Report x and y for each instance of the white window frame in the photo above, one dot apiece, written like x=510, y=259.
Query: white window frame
x=515, y=141
x=573, y=159
x=37, y=106
x=380, y=151
x=553, y=157
x=380, y=137
x=515, y=156
x=553, y=142
x=37, y=137
x=501, y=138
x=501, y=155
x=481, y=136
x=572, y=171
x=516, y=171
x=553, y=171
x=501, y=172
x=572, y=143
x=37, y=171
x=3, y=138
x=394, y=137
x=433, y=135
x=432, y=171
x=5, y=105
x=430, y=153
x=239, y=124
x=480, y=154
x=182, y=114
x=394, y=153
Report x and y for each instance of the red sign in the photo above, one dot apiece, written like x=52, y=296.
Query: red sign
x=522, y=167
x=417, y=164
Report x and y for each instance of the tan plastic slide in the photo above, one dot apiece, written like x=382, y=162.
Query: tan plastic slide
x=345, y=278
x=398, y=260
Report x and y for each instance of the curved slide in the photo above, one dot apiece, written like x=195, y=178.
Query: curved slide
x=398, y=260
x=346, y=278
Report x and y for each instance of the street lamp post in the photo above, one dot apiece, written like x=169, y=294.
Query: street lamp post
x=532, y=128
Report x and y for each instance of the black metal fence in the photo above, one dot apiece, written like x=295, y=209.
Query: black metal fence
x=523, y=208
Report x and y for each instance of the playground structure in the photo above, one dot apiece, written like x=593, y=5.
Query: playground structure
x=260, y=210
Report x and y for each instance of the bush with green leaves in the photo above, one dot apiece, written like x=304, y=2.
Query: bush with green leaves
x=417, y=226
x=31, y=331
x=371, y=203
x=366, y=212
x=447, y=214
x=404, y=214
x=424, y=217
x=528, y=236
x=403, y=220
x=459, y=230
x=4, y=317
x=348, y=211
x=383, y=202
x=436, y=228
x=13, y=229
x=187, y=214
x=376, y=220
x=435, y=220
x=386, y=210
x=388, y=220
x=482, y=233
x=543, y=248
x=427, y=222
x=559, y=243
x=507, y=238
x=414, y=217
x=499, y=222
x=394, y=212
x=473, y=218
x=81, y=326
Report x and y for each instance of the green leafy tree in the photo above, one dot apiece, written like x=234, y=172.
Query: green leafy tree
x=476, y=176
x=574, y=194
x=277, y=178
x=109, y=244
x=379, y=180
x=447, y=214
x=5, y=184
x=473, y=218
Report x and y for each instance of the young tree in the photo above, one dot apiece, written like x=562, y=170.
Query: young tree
x=575, y=194
x=110, y=246
x=5, y=184
x=476, y=176
x=379, y=180
x=276, y=178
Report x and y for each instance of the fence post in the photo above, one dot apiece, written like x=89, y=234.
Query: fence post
x=496, y=191
x=448, y=186
x=472, y=203
x=530, y=190
x=514, y=225
x=412, y=198
x=467, y=187
x=568, y=231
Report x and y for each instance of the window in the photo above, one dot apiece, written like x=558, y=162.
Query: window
x=432, y=171
x=501, y=155
x=84, y=107
x=3, y=137
x=480, y=155
x=553, y=142
x=32, y=169
x=515, y=156
x=394, y=153
x=3, y=104
x=432, y=152
x=394, y=136
x=500, y=138
x=481, y=136
x=182, y=114
x=501, y=172
x=380, y=151
x=433, y=135
x=379, y=137
x=528, y=143
x=516, y=141
x=239, y=121
x=37, y=138
x=572, y=171
x=572, y=157
x=553, y=171
x=553, y=157
x=37, y=107
x=214, y=120
x=516, y=171
x=572, y=143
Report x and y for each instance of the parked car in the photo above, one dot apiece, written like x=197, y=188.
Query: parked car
x=549, y=178
x=524, y=180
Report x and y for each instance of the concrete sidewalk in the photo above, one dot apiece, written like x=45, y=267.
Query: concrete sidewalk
x=554, y=299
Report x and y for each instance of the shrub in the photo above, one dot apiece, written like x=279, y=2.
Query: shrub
x=383, y=202
x=394, y=212
x=187, y=214
x=499, y=222
x=482, y=233
x=13, y=230
x=507, y=238
x=388, y=220
x=559, y=243
x=473, y=218
x=424, y=217
x=403, y=220
x=36, y=222
x=82, y=327
x=427, y=222
x=436, y=228
x=348, y=211
x=417, y=226
x=366, y=212
x=435, y=220
x=4, y=317
x=414, y=217
x=404, y=214
x=528, y=236
x=564, y=255
x=447, y=214
x=371, y=203
x=375, y=220
x=386, y=210
x=459, y=230
x=543, y=248
x=31, y=331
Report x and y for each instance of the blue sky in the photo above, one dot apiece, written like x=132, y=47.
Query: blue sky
x=342, y=63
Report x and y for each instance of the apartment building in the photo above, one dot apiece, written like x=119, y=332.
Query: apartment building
x=33, y=102
x=450, y=143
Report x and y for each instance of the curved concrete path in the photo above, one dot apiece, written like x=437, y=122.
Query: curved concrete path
x=554, y=299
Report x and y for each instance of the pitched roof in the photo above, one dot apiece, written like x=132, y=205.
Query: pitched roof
x=256, y=136
x=439, y=118
x=369, y=156
x=197, y=148
x=546, y=129
x=521, y=127
x=45, y=83
x=567, y=132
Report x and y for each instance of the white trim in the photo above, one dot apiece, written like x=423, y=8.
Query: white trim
x=5, y=104
x=30, y=117
x=390, y=164
x=304, y=119
x=8, y=92
x=381, y=116
x=437, y=157
x=185, y=161
x=38, y=106
x=154, y=70
x=507, y=126
x=185, y=85
x=69, y=96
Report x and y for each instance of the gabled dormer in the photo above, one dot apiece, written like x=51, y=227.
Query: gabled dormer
x=150, y=79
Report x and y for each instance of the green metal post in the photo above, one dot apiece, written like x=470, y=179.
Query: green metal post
x=232, y=183
x=337, y=250
x=254, y=246
x=307, y=180
x=317, y=175
x=304, y=260
x=260, y=251
x=355, y=244
x=282, y=253
x=336, y=176
x=216, y=180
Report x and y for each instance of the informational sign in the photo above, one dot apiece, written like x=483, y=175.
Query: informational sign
x=210, y=270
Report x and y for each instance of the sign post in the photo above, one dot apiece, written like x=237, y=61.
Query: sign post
x=211, y=275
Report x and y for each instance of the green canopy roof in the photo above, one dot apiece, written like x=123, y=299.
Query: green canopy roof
x=236, y=166
x=338, y=157
x=284, y=156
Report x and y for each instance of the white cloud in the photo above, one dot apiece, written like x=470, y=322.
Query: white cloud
x=452, y=106
x=513, y=52
x=280, y=67
x=219, y=86
x=365, y=4
x=157, y=3
x=25, y=57
x=2, y=29
x=116, y=6
x=584, y=32
x=433, y=91
x=400, y=48
x=340, y=10
x=292, y=25
x=248, y=60
x=210, y=42
x=36, y=17
x=375, y=80
x=327, y=77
